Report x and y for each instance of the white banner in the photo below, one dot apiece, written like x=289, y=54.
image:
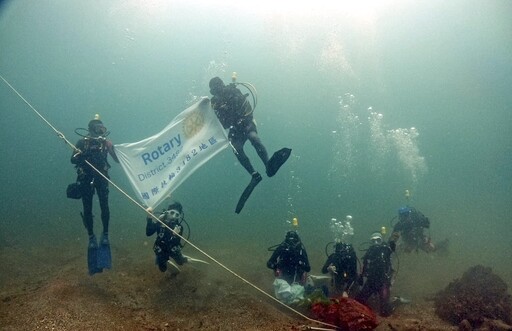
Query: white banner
x=157, y=165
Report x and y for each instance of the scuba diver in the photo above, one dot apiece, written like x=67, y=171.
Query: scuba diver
x=378, y=271
x=410, y=225
x=342, y=264
x=235, y=113
x=167, y=243
x=93, y=149
x=290, y=259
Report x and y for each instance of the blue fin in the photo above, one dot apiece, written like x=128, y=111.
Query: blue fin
x=92, y=256
x=104, y=255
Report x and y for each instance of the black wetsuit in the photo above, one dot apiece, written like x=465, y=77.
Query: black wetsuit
x=95, y=151
x=411, y=227
x=235, y=113
x=290, y=263
x=167, y=244
x=345, y=261
x=378, y=272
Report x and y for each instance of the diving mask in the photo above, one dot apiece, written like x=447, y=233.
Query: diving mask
x=173, y=215
x=376, y=238
x=98, y=129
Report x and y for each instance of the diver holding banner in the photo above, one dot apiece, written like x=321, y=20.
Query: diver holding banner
x=90, y=159
x=235, y=113
x=159, y=164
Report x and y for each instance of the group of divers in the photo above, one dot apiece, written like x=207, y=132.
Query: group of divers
x=348, y=275
x=289, y=259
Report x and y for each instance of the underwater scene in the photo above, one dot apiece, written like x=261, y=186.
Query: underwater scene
x=381, y=124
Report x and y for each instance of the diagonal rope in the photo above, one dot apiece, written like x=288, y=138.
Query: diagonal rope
x=153, y=216
x=59, y=134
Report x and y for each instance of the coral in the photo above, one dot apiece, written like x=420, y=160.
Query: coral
x=345, y=313
x=478, y=295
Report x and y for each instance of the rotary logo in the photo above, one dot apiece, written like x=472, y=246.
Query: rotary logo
x=193, y=124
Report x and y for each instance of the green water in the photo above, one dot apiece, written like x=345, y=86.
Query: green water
x=343, y=92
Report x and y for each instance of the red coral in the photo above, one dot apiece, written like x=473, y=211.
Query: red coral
x=345, y=313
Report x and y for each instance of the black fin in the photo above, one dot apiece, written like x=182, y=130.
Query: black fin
x=277, y=160
x=247, y=193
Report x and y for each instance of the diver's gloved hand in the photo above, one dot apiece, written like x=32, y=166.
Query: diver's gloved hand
x=78, y=157
x=149, y=218
x=177, y=229
x=332, y=268
x=392, y=245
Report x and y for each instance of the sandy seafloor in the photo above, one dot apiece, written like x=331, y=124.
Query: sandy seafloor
x=45, y=286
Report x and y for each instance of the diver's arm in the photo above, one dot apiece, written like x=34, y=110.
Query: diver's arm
x=151, y=227
x=305, y=261
x=395, y=236
x=272, y=262
x=78, y=157
x=327, y=264
x=111, y=150
x=364, y=270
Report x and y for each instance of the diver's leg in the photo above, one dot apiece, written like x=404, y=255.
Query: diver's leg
x=365, y=293
x=102, y=189
x=238, y=140
x=238, y=145
x=161, y=260
x=258, y=146
x=87, y=218
x=427, y=245
x=384, y=299
x=92, y=247
x=177, y=255
x=104, y=254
